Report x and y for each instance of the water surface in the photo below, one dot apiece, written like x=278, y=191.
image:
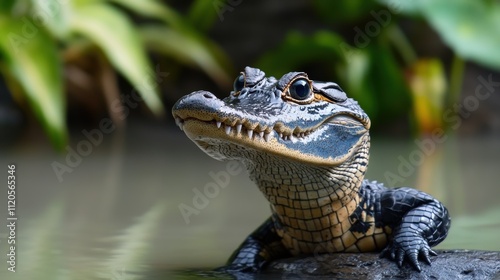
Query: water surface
x=115, y=213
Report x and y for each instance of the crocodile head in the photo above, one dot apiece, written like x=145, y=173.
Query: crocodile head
x=293, y=118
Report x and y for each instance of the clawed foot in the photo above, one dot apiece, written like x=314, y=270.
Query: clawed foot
x=410, y=248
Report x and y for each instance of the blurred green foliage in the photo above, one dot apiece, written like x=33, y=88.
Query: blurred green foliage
x=380, y=68
x=35, y=34
x=374, y=61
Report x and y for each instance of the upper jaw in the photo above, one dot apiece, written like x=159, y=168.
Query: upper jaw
x=204, y=107
x=242, y=126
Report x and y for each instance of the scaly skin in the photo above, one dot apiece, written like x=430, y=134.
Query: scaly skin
x=306, y=146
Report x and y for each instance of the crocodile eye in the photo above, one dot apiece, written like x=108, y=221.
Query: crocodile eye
x=239, y=83
x=300, y=89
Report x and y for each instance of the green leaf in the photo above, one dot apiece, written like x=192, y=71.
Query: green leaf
x=30, y=57
x=470, y=28
x=153, y=9
x=52, y=14
x=117, y=37
x=204, y=53
x=187, y=49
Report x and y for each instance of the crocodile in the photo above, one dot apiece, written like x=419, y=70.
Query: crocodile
x=306, y=146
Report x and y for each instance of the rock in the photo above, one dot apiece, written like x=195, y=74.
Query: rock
x=449, y=264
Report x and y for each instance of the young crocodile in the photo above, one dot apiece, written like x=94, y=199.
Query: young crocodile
x=306, y=146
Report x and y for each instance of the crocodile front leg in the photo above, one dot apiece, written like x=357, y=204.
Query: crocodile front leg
x=262, y=246
x=418, y=220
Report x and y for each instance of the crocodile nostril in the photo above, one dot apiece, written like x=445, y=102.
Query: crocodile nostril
x=208, y=95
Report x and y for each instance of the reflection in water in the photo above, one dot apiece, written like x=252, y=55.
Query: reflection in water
x=109, y=222
x=133, y=246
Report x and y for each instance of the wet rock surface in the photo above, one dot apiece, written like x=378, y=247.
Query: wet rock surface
x=449, y=264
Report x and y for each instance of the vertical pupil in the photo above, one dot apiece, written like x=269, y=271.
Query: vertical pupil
x=239, y=83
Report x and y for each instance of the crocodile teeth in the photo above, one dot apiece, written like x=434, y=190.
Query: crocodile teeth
x=252, y=133
x=228, y=129
x=238, y=128
x=267, y=136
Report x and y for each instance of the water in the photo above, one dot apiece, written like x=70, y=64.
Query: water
x=115, y=213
